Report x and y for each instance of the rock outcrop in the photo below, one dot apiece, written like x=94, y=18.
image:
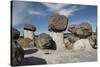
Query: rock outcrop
x=82, y=44
x=93, y=40
x=29, y=31
x=45, y=41
x=82, y=30
x=17, y=53
x=57, y=25
x=15, y=34
x=81, y=33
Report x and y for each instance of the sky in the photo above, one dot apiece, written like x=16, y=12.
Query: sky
x=36, y=14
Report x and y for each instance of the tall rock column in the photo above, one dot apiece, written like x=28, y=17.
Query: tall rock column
x=29, y=31
x=57, y=24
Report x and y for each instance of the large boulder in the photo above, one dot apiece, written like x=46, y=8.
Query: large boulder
x=68, y=44
x=57, y=23
x=69, y=39
x=15, y=34
x=72, y=28
x=93, y=40
x=72, y=38
x=29, y=27
x=17, y=53
x=25, y=42
x=82, y=44
x=82, y=30
x=44, y=41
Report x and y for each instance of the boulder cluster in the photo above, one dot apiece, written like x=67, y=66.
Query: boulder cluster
x=81, y=37
x=82, y=31
x=57, y=24
x=45, y=41
x=16, y=50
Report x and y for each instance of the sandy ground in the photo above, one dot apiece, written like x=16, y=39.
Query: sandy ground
x=36, y=56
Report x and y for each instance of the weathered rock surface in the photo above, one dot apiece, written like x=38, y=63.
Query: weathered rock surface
x=82, y=44
x=82, y=30
x=72, y=28
x=15, y=34
x=93, y=40
x=65, y=56
x=29, y=27
x=58, y=37
x=72, y=38
x=17, y=53
x=25, y=42
x=57, y=23
x=68, y=44
x=69, y=39
x=45, y=41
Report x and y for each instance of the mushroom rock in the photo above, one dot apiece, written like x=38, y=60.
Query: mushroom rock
x=15, y=34
x=57, y=26
x=29, y=31
x=45, y=41
x=30, y=27
x=82, y=44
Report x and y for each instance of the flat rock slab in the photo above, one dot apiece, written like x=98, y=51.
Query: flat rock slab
x=58, y=57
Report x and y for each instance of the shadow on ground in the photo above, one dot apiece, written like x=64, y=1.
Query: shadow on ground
x=30, y=51
x=33, y=61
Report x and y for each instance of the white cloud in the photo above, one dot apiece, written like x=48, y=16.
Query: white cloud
x=54, y=6
x=18, y=9
x=68, y=12
x=36, y=12
x=59, y=8
x=32, y=12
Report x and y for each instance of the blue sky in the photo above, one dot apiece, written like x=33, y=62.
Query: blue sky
x=37, y=13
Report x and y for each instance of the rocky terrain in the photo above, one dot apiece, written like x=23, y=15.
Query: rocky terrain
x=36, y=57
x=80, y=45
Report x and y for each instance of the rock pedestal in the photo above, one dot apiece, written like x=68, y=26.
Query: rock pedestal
x=28, y=34
x=29, y=31
x=58, y=37
x=57, y=24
